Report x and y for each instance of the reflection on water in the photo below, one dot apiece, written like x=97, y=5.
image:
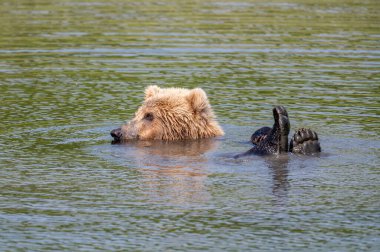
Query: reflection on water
x=171, y=171
x=70, y=71
x=175, y=186
x=279, y=169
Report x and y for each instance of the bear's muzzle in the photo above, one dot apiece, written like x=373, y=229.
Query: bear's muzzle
x=117, y=135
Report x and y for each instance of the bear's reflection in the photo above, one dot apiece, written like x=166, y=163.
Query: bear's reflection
x=173, y=171
x=278, y=166
x=185, y=148
x=176, y=172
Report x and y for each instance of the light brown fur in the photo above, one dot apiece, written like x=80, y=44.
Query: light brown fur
x=173, y=114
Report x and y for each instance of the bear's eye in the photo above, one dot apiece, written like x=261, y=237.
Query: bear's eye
x=149, y=116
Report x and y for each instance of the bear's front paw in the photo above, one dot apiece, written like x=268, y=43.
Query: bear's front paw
x=305, y=141
x=260, y=135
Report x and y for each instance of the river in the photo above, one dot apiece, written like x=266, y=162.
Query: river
x=71, y=71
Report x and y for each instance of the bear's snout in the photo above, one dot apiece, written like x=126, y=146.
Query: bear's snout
x=116, y=134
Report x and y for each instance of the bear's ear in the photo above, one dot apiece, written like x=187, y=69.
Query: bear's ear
x=198, y=100
x=151, y=91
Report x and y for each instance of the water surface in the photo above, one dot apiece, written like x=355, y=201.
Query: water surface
x=70, y=71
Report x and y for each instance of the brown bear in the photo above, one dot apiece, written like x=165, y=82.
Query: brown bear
x=171, y=114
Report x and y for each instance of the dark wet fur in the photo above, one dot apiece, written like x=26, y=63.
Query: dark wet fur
x=274, y=140
x=305, y=141
x=260, y=135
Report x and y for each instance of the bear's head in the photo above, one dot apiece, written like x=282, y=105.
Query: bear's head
x=171, y=114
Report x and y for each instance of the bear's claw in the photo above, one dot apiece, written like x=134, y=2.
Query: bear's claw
x=260, y=134
x=305, y=141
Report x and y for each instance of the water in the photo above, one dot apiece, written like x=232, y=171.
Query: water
x=70, y=71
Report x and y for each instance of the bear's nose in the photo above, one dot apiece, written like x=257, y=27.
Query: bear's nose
x=116, y=133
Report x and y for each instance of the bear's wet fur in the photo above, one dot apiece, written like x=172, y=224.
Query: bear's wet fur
x=186, y=114
x=274, y=140
x=171, y=114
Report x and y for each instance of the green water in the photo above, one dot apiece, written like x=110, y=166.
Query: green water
x=70, y=71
